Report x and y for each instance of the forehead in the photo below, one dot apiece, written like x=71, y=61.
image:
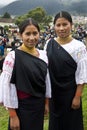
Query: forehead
x=62, y=20
x=31, y=28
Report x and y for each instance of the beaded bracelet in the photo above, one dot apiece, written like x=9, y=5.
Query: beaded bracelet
x=78, y=94
x=12, y=113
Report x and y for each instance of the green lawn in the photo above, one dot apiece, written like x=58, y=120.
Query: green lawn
x=84, y=105
x=4, y=114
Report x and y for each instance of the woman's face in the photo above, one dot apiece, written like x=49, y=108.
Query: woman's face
x=62, y=27
x=30, y=36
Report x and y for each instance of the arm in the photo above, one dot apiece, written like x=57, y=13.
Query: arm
x=77, y=98
x=48, y=93
x=81, y=75
x=14, y=120
x=46, y=106
x=8, y=95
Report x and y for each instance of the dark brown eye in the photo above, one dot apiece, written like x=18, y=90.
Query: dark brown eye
x=65, y=24
x=28, y=33
x=35, y=33
x=57, y=25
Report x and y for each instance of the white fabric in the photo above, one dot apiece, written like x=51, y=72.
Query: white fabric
x=78, y=51
x=8, y=95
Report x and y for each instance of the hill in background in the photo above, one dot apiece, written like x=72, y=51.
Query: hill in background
x=21, y=7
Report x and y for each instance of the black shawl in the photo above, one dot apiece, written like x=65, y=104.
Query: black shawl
x=29, y=73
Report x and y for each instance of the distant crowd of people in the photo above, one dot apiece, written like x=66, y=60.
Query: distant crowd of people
x=45, y=73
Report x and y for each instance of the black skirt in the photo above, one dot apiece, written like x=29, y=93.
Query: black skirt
x=31, y=113
x=68, y=120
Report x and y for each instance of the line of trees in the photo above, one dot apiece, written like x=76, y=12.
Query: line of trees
x=39, y=14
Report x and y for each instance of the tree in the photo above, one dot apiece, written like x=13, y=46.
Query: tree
x=39, y=14
x=6, y=15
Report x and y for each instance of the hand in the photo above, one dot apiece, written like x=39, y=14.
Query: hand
x=14, y=123
x=46, y=106
x=76, y=103
x=46, y=109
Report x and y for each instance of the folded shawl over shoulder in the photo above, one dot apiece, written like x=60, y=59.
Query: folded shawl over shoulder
x=29, y=74
x=8, y=89
x=67, y=68
x=77, y=51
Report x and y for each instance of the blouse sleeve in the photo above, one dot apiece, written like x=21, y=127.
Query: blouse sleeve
x=81, y=72
x=48, y=86
x=8, y=95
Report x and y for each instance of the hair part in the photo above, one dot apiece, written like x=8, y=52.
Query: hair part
x=27, y=22
x=63, y=14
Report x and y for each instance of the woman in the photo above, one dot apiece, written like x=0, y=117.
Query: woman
x=24, y=81
x=68, y=73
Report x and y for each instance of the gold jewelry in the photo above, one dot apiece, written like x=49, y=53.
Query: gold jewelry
x=32, y=51
x=64, y=40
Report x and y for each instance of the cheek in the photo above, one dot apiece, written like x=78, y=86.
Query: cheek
x=37, y=37
x=56, y=29
x=68, y=29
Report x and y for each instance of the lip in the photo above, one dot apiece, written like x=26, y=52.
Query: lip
x=62, y=33
x=31, y=42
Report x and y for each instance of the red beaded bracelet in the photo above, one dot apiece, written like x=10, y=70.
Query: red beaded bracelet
x=12, y=113
x=78, y=94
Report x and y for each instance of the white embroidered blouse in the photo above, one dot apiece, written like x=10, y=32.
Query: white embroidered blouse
x=8, y=95
x=78, y=51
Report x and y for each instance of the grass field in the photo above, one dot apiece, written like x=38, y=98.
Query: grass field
x=84, y=105
x=4, y=114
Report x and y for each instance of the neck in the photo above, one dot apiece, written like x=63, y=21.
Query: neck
x=64, y=40
x=30, y=50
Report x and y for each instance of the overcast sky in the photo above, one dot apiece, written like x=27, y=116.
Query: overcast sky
x=5, y=2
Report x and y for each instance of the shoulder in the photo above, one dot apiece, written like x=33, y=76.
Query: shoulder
x=79, y=48
x=9, y=58
x=43, y=55
x=9, y=61
x=10, y=55
x=78, y=44
x=47, y=42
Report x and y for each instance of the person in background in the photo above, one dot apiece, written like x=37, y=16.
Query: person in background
x=1, y=48
x=15, y=44
x=25, y=82
x=67, y=58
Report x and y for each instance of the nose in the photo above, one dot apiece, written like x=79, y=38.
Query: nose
x=61, y=27
x=31, y=37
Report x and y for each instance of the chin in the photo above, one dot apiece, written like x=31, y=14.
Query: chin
x=30, y=45
x=63, y=36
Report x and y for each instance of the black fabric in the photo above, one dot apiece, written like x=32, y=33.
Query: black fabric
x=29, y=73
x=31, y=113
x=62, y=68
x=1, y=63
x=71, y=120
